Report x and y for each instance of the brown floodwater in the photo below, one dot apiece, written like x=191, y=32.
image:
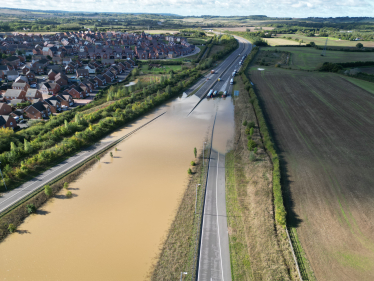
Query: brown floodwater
x=123, y=206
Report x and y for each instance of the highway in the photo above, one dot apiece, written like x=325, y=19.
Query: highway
x=214, y=256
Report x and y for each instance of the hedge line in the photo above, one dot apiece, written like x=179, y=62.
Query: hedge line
x=335, y=67
x=280, y=211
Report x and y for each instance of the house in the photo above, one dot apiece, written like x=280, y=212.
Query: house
x=33, y=94
x=100, y=79
x=17, y=114
x=12, y=75
x=91, y=69
x=15, y=94
x=52, y=74
x=50, y=88
x=65, y=99
x=21, y=79
x=38, y=110
x=25, y=69
x=54, y=104
x=5, y=109
x=61, y=79
x=77, y=92
x=82, y=73
x=20, y=86
x=14, y=102
x=109, y=76
x=13, y=61
x=7, y=121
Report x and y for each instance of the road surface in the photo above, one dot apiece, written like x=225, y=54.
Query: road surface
x=214, y=259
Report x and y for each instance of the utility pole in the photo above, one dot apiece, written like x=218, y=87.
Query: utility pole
x=5, y=184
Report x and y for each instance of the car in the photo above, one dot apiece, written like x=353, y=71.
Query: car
x=225, y=94
x=43, y=78
x=22, y=121
x=33, y=86
x=215, y=93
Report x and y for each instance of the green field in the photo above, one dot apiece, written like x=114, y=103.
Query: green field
x=366, y=85
x=197, y=41
x=164, y=68
x=332, y=42
x=309, y=58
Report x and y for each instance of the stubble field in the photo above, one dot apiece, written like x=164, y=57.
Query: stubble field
x=324, y=128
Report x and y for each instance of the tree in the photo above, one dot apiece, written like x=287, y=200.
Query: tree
x=48, y=190
x=359, y=45
x=312, y=44
x=69, y=194
x=27, y=146
x=189, y=171
x=49, y=57
x=66, y=185
x=195, y=152
x=31, y=208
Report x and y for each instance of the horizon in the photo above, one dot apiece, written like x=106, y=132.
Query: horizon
x=197, y=8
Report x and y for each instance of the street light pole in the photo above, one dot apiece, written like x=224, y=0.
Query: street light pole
x=182, y=275
x=196, y=197
x=3, y=179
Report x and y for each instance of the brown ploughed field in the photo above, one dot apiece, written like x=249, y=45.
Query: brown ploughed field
x=323, y=126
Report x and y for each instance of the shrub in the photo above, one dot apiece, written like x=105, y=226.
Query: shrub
x=251, y=144
x=31, y=208
x=66, y=185
x=189, y=171
x=69, y=194
x=252, y=156
x=192, y=163
x=48, y=190
x=111, y=154
x=251, y=124
x=245, y=123
x=11, y=228
x=195, y=153
x=255, y=150
x=251, y=131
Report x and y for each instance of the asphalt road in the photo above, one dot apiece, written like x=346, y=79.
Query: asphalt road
x=214, y=259
x=214, y=256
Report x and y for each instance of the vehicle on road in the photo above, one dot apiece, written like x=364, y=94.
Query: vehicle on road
x=224, y=94
x=233, y=74
x=215, y=93
x=210, y=94
x=23, y=121
x=212, y=71
x=232, y=81
x=219, y=79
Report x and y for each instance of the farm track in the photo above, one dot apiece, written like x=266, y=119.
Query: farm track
x=324, y=130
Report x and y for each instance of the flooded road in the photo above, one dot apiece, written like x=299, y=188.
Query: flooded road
x=123, y=206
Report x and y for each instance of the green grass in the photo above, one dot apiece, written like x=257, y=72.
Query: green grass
x=309, y=58
x=368, y=86
x=332, y=42
x=196, y=41
x=164, y=68
x=239, y=256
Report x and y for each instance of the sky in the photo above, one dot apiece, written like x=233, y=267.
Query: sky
x=271, y=8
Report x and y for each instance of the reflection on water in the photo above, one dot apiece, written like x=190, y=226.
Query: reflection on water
x=122, y=207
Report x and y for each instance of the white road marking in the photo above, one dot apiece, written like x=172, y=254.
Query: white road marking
x=219, y=237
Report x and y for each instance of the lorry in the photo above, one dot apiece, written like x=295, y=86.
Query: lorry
x=210, y=94
x=212, y=71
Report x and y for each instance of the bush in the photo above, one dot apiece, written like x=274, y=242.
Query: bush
x=66, y=185
x=48, y=190
x=31, y=208
x=245, y=123
x=251, y=131
x=189, y=171
x=251, y=124
x=69, y=194
x=252, y=156
x=11, y=228
x=193, y=163
x=251, y=144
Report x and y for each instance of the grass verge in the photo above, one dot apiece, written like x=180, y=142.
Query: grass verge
x=179, y=251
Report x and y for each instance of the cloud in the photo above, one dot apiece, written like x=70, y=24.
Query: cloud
x=276, y=8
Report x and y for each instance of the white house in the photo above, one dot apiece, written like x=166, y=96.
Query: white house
x=90, y=69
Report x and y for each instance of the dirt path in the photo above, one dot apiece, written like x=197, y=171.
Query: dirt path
x=324, y=128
